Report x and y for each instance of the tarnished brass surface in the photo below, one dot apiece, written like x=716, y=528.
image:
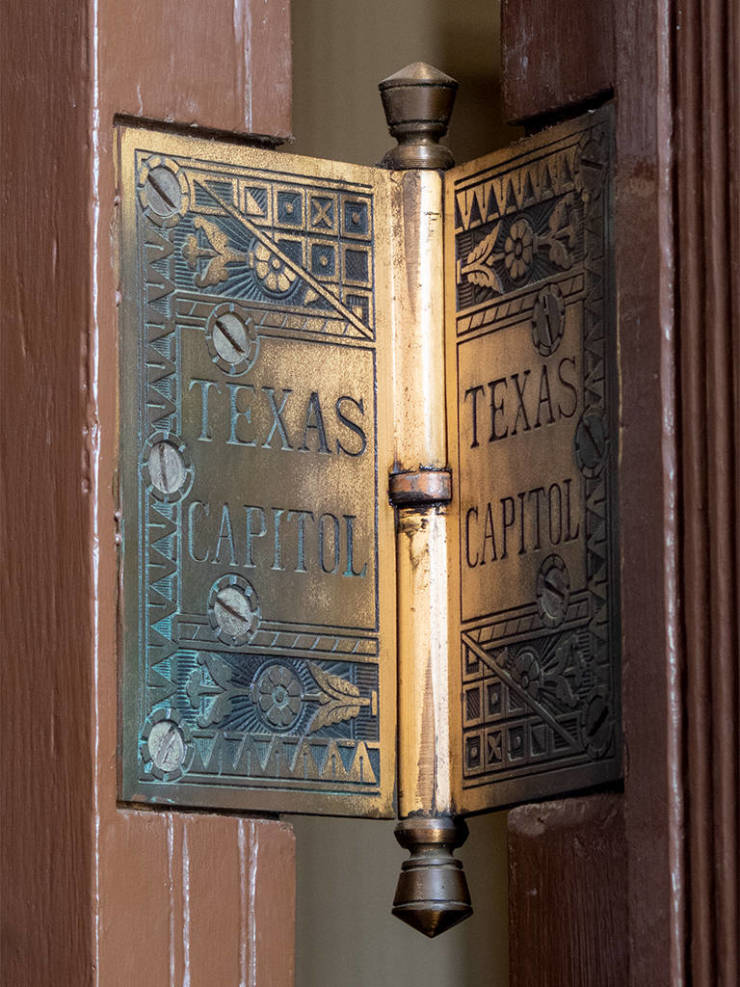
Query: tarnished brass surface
x=258, y=609
x=432, y=892
x=420, y=487
x=418, y=102
x=532, y=426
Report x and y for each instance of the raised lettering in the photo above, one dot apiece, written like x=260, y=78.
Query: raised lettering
x=225, y=536
x=314, y=423
x=349, y=520
x=521, y=410
x=507, y=521
x=322, y=543
x=544, y=398
x=253, y=532
x=302, y=516
x=206, y=510
x=569, y=386
x=497, y=409
x=471, y=511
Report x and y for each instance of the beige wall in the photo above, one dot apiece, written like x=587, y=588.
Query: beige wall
x=345, y=933
x=343, y=48
x=347, y=870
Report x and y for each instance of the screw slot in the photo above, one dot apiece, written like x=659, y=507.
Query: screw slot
x=163, y=192
x=166, y=746
x=167, y=470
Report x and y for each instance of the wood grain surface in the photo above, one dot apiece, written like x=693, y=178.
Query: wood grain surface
x=651, y=454
x=46, y=883
x=708, y=220
x=649, y=494
x=568, y=894
x=555, y=55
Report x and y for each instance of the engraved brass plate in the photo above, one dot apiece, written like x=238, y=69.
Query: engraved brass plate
x=532, y=395
x=258, y=636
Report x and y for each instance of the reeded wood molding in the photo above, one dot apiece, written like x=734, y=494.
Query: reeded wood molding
x=650, y=494
x=708, y=236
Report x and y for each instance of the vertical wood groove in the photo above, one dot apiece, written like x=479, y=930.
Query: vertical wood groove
x=708, y=80
x=244, y=870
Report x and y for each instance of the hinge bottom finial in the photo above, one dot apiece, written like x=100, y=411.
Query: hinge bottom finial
x=432, y=892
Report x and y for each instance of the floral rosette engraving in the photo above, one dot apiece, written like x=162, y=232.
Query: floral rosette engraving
x=278, y=696
x=484, y=264
x=518, y=249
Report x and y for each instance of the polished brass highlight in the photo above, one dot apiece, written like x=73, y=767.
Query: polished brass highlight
x=432, y=892
x=418, y=102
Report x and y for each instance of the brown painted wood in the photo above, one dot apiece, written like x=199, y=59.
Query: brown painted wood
x=93, y=891
x=570, y=852
x=46, y=681
x=678, y=252
x=649, y=495
x=708, y=160
x=555, y=54
x=175, y=61
x=650, y=492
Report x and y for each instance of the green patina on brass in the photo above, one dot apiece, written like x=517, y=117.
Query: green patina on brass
x=258, y=668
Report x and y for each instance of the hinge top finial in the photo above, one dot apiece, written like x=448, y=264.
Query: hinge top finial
x=418, y=102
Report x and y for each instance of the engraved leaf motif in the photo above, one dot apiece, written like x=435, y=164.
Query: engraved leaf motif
x=480, y=252
x=217, y=706
x=559, y=215
x=219, y=670
x=485, y=277
x=340, y=699
x=334, y=685
x=560, y=255
x=333, y=712
x=219, y=709
x=478, y=268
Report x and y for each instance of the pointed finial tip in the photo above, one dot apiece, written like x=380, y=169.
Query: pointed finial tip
x=419, y=74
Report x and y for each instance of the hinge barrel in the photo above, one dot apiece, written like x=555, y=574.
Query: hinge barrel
x=432, y=892
x=424, y=776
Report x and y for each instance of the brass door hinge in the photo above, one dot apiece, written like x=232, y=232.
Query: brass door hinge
x=368, y=479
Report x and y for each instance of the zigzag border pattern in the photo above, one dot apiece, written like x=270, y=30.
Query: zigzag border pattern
x=512, y=732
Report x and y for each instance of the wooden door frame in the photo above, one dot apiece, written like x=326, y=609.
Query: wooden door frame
x=666, y=878
x=94, y=892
